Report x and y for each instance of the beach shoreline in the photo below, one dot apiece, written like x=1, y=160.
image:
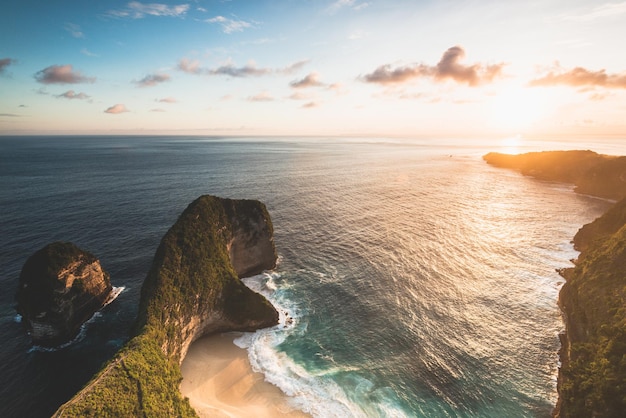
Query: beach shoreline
x=219, y=382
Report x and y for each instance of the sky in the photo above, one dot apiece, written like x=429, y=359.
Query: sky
x=314, y=67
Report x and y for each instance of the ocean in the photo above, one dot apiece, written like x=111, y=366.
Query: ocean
x=421, y=281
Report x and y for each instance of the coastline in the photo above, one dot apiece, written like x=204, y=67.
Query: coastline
x=219, y=382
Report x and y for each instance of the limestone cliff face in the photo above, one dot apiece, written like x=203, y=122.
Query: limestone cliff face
x=193, y=289
x=60, y=287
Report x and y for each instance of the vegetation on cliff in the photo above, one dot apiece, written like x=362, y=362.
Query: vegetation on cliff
x=192, y=289
x=593, y=299
x=591, y=173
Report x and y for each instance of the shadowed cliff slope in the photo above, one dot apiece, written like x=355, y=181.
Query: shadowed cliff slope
x=192, y=289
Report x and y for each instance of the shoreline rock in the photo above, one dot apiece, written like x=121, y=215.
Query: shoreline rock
x=60, y=287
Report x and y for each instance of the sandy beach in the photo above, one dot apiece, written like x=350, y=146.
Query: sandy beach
x=219, y=382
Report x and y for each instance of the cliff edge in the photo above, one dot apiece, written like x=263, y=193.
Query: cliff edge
x=60, y=287
x=193, y=289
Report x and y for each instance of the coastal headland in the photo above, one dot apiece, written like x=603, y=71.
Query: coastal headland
x=592, y=376
x=193, y=289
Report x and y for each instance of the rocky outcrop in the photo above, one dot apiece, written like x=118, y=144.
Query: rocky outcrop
x=593, y=174
x=60, y=287
x=193, y=289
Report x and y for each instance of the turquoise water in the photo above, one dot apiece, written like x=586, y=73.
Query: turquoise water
x=421, y=281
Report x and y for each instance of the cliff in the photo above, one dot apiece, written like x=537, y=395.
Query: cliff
x=591, y=173
x=193, y=289
x=592, y=380
x=592, y=377
x=60, y=287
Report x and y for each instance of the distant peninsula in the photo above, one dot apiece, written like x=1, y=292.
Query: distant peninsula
x=592, y=377
x=193, y=289
x=591, y=173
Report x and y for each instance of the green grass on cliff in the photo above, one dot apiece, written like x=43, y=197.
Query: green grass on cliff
x=594, y=300
x=139, y=382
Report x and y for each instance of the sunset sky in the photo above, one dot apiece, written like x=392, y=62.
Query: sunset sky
x=313, y=67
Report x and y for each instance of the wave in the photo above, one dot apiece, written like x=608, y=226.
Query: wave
x=314, y=392
x=115, y=292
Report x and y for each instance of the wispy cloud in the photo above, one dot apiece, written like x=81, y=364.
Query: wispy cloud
x=4, y=64
x=70, y=94
x=310, y=80
x=346, y=4
x=580, y=77
x=137, y=10
x=116, y=109
x=310, y=105
x=230, y=25
x=167, y=100
x=10, y=115
x=61, y=74
x=599, y=12
x=261, y=97
x=448, y=68
x=74, y=30
x=230, y=69
x=159, y=110
x=152, y=80
x=88, y=53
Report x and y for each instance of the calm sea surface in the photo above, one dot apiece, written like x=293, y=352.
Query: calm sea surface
x=422, y=281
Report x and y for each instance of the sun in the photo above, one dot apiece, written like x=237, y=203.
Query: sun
x=515, y=108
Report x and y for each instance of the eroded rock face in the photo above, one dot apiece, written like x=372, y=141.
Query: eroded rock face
x=60, y=287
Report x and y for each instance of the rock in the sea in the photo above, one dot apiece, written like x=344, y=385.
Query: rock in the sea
x=60, y=287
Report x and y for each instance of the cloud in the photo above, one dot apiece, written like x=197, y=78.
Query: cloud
x=230, y=25
x=4, y=63
x=346, y=4
x=261, y=97
x=579, y=77
x=152, y=80
x=157, y=110
x=449, y=67
x=300, y=96
x=309, y=105
x=137, y=10
x=116, y=109
x=230, y=69
x=603, y=11
x=70, y=94
x=167, y=100
x=61, y=74
x=74, y=30
x=88, y=53
x=10, y=115
x=310, y=80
